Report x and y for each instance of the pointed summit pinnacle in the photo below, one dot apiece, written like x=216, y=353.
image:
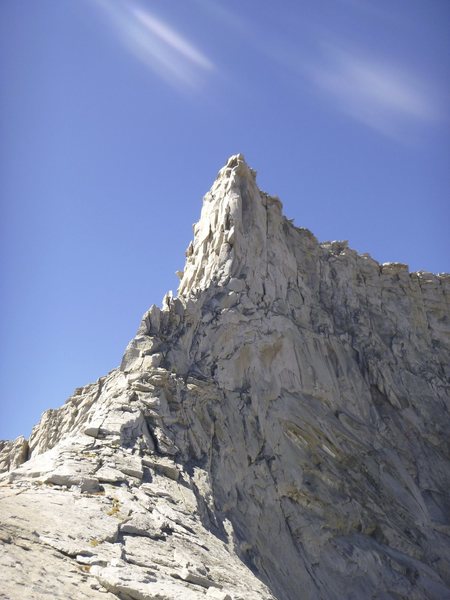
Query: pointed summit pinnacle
x=230, y=240
x=238, y=164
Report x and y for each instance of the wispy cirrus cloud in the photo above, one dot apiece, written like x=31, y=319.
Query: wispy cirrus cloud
x=381, y=96
x=159, y=46
x=380, y=91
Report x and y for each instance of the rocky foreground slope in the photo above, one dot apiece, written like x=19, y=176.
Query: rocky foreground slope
x=278, y=430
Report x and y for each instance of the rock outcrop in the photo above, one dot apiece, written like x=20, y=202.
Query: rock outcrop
x=280, y=429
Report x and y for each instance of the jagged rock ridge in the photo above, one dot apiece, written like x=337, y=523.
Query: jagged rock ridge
x=278, y=430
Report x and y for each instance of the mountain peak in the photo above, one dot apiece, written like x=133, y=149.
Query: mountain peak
x=282, y=425
x=238, y=165
x=230, y=239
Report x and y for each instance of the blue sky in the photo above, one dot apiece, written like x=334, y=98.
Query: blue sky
x=115, y=117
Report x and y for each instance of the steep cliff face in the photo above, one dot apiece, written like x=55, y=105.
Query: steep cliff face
x=280, y=429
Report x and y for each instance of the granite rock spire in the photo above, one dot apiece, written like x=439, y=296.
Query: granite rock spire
x=277, y=430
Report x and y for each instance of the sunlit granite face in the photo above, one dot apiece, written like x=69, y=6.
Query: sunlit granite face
x=278, y=430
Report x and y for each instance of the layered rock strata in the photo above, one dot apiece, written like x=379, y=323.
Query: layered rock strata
x=280, y=429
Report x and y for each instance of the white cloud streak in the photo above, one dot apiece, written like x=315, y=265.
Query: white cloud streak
x=160, y=47
x=376, y=94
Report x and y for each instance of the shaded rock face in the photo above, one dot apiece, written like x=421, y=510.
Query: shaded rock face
x=278, y=430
